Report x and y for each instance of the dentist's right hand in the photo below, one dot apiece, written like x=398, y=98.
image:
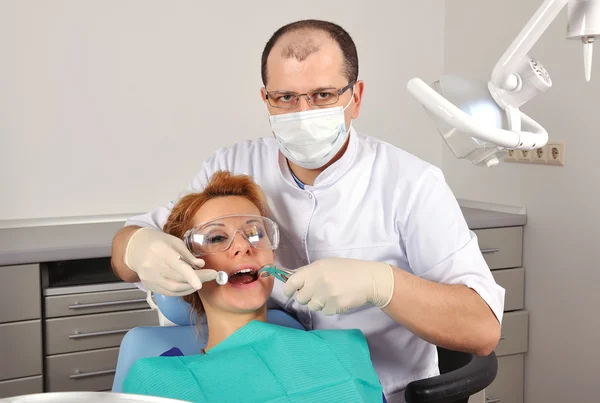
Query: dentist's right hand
x=154, y=256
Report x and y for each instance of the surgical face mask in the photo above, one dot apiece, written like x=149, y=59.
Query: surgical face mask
x=310, y=139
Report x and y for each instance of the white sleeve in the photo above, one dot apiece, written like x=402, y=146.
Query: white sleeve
x=439, y=244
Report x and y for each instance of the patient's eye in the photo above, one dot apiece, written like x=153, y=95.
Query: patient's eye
x=216, y=237
x=254, y=233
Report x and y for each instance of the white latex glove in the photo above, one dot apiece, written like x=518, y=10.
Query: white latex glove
x=337, y=285
x=154, y=256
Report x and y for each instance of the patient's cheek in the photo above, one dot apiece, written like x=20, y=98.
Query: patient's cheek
x=208, y=289
x=270, y=282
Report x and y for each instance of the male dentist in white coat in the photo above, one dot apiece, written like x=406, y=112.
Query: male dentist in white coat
x=375, y=234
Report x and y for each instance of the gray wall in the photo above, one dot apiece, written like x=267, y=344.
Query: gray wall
x=109, y=107
x=561, y=255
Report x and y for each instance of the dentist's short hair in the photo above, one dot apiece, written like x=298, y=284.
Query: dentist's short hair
x=302, y=50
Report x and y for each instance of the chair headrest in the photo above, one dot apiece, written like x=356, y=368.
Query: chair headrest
x=175, y=309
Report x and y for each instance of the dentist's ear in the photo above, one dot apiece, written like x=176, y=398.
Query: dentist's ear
x=359, y=88
x=263, y=94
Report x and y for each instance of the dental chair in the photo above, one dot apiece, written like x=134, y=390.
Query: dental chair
x=461, y=374
x=153, y=341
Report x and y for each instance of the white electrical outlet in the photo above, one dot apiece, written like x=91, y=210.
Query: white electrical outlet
x=511, y=156
x=556, y=151
x=553, y=153
x=524, y=155
x=539, y=155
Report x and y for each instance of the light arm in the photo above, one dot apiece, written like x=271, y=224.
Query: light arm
x=481, y=121
x=520, y=47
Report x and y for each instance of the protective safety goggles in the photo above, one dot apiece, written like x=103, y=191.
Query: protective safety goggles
x=217, y=235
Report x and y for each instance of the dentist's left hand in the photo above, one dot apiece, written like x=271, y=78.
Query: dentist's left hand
x=337, y=285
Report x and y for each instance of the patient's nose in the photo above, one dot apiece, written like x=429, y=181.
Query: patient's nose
x=240, y=245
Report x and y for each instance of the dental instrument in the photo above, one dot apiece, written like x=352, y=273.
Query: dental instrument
x=222, y=277
x=280, y=274
x=481, y=121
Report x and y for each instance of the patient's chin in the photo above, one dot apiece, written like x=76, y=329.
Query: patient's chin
x=249, y=302
x=247, y=306
x=242, y=298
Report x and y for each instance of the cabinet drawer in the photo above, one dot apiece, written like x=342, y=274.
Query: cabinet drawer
x=88, y=332
x=502, y=248
x=508, y=385
x=23, y=386
x=513, y=281
x=478, y=397
x=95, y=302
x=515, y=329
x=20, y=296
x=84, y=371
x=20, y=349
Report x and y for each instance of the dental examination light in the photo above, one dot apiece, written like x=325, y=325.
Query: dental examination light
x=480, y=122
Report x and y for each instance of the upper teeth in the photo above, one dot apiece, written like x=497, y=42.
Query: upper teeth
x=243, y=271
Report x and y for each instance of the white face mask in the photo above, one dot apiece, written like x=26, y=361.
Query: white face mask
x=310, y=139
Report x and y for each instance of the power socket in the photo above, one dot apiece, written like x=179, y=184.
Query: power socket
x=556, y=151
x=511, y=156
x=553, y=153
x=540, y=155
x=525, y=155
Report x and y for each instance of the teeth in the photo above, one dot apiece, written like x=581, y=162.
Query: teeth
x=243, y=271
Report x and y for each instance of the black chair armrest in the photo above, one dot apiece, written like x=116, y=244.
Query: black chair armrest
x=458, y=384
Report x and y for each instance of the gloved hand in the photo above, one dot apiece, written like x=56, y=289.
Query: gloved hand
x=154, y=256
x=337, y=285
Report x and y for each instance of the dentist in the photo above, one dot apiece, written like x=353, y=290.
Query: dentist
x=376, y=235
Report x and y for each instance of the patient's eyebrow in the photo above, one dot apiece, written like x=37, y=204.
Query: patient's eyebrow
x=217, y=224
x=252, y=221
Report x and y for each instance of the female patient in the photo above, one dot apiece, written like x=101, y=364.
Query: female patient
x=245, y=358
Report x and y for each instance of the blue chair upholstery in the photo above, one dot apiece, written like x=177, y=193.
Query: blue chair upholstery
x=152, y=341
x=462, y=375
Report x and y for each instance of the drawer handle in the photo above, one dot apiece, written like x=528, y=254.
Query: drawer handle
x=490, y=250
x=94, y=334
x=491, y=400
x=108, y=303
x=81, y=375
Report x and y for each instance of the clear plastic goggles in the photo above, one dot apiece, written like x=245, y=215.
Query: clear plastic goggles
x=217, y=235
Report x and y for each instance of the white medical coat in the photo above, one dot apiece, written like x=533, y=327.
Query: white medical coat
x=378, y=203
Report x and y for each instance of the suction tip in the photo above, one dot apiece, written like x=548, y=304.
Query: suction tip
x=588, y=49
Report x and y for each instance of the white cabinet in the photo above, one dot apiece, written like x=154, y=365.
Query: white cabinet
x=502, y=249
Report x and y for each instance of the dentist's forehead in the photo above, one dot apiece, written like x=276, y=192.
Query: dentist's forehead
x=303, y=61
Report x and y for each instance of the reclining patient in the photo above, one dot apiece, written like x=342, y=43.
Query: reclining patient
x=247, y=359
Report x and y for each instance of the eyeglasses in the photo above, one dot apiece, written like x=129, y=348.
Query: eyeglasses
x=319, y=97
x=217, y=235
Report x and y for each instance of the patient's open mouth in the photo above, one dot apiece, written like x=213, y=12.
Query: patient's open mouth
x=243, y=276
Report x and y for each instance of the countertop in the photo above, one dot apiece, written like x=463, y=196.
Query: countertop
x=82, y=240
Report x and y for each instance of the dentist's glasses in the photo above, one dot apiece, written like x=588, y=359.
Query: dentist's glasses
x=217, y=235
x=321, y=97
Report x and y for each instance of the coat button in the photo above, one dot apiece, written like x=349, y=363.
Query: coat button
x=310, y=195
